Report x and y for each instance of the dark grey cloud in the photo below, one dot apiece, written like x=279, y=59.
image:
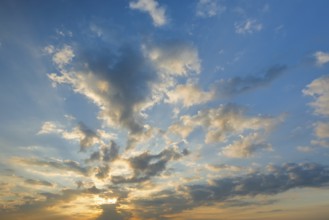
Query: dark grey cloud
x=104, y=156
x=103, y=171
x=88, y=136
x=110, y=212
x=106, y=153
x=146, y=165
x=129, y=77
x=279, y=179
x=276, y=180
x=238, y=85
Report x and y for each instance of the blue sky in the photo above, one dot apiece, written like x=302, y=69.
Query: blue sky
x=149, y=109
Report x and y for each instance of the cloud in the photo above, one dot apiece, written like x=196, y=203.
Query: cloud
x=152, y=7
x=246, y=146
x=277, y=179
x=63, y=165
x=319, y=90
x=123, y=84
x=110, y=212
x=320, y=143
x=62, y=56
x=304, y=149
x=59, y=205
x=248, y=26
x=147, y=165
x=322, y=129
x=189, y=95
x=174, y=58
x=238, y=85
x=106, y=153
x=82, y=133
x=104, y=156
x=223, y=167
x=209, y=8
x=222, y=123
x=321, y=58
x=87, y=136
x=38, y=182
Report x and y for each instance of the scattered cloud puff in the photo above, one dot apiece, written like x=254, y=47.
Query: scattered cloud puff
x=209, y=8
x=246, y=146
x=222, y=123
x=157, y=13
x=321, y=58
x=189, y=95
x=248, y=26
x=319, y=90
x=322, y=130
x=62, y=56
x=175, y=58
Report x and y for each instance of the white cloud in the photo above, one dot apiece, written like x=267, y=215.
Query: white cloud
x=209, y=8
x=246, y=146
x=63, y=56
x=49, y=127
x=152, y=7
x=319, y=89
x=321, y=58
x=320, y=143
x=175, y=58
x=304, y=149
x=222, y=123
x=49, y=49
x=248, y=26
x=189, y=95
x=322, y=129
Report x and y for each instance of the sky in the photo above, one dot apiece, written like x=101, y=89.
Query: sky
x=164, y=109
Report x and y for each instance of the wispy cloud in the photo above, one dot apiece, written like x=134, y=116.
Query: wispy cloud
x=81, y=133
x=157, y=13
x=209, y=8
x=321, y=58
x=248, y=26
x=237, y=85
x=63, y=165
